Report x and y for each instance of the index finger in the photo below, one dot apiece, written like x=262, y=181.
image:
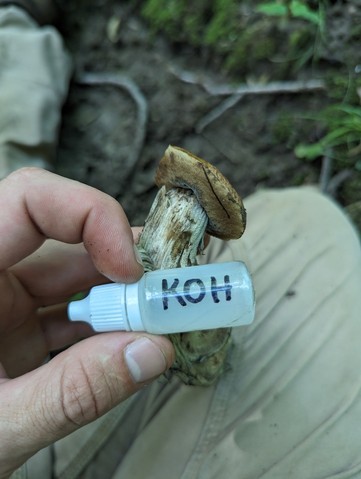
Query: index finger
x=37, y=205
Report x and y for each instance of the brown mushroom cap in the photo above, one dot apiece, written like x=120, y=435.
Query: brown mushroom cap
x=181, y=169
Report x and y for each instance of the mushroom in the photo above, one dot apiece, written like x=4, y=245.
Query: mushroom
x=224, y=208
x=194, y=198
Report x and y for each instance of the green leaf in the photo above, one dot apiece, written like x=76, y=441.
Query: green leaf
x=78, y=296
x=340, y=136
x=298, y=9
x=274, y=9
x=350, y=110
x=309, y=152
x=301, y=10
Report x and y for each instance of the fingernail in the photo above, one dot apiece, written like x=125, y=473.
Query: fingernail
x=137, y=256
x=144, y=360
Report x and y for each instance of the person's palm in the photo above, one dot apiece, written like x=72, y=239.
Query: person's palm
x=32, y=304
x=59, y=237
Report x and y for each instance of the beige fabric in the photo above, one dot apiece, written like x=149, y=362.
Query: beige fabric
x=34, y=76
x=39, y=466
x=289, y=404
x=35, y=72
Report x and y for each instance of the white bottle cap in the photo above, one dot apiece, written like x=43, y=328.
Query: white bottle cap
x=106, y=308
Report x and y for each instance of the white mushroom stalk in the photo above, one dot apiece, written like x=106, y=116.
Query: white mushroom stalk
x=174, y=230
x=194, y=199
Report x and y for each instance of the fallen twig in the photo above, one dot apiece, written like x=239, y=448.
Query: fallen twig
x=124, y=83
x=218, y=111
x=337, y=180
x=252, y=89
x=330, y=184
x=325, y=174
x=236, y=92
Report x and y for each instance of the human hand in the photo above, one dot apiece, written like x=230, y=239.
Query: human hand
x=91, y=243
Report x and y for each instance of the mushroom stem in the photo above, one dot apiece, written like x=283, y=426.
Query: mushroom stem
x=172, y=237
x=174, y=230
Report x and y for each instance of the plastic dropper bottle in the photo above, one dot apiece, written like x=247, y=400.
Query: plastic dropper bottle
x=172, y=301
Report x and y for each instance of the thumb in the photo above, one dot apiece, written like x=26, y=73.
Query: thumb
x=73, y=389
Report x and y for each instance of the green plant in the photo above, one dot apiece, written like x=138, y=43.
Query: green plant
x=343, y=137
x=308, y=29
x=295, y=9
x=243, y=37
x=196, y=23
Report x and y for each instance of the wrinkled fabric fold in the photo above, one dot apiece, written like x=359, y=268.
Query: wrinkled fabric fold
x=35, y=71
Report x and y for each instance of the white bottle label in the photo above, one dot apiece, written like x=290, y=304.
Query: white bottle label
x=198, y=297
x=194, y=291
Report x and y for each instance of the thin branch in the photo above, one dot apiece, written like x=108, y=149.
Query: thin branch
x=124, y=83
x=236, y=92
x=325, y=174
x=337, y=180
x=218, y=111
x=252, y=89
x=330, y=184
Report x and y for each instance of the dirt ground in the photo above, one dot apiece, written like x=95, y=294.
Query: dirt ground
x=113, y=136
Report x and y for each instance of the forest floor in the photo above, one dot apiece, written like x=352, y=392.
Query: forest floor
x=136, y=89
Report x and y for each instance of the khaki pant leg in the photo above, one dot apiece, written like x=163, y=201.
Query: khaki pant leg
x=34, y=76
x=290, y=404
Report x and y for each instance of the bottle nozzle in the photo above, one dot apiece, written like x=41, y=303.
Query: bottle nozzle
x=79, y=310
